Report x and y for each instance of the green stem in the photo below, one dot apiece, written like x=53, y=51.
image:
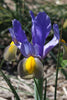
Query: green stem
x=57, y=70
x=45, y=89
x=56, y=83
x=62, y=70
x=38, y=89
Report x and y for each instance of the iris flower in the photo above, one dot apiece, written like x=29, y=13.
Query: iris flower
x=31, y=65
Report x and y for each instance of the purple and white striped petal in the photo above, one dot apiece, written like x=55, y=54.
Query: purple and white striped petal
x=53, y=42
x=41, y=26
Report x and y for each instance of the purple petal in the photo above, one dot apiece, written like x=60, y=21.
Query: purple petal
x=14, y=37
x=18, y=32
x=40, y=28
x=37, y=50
x=24, y=49
x=32, y=50
x=27, y=49
x=53, y=42
x=32, y=15
x=12, y=32
x=56, y=30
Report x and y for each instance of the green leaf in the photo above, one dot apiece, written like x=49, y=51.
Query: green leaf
x=9, y=84
x=64, y=63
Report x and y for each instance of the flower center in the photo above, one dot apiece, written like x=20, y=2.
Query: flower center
x=30, y=65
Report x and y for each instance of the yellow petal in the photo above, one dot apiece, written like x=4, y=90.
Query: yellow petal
x=22, y=71
x=10, y=52
x=30, y=67
x=11, y=43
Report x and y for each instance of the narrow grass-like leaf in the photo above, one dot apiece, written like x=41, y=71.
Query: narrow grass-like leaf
x=9, y=84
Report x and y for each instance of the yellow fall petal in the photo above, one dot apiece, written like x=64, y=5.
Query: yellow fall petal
x=10, y=52
x=30, y=67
